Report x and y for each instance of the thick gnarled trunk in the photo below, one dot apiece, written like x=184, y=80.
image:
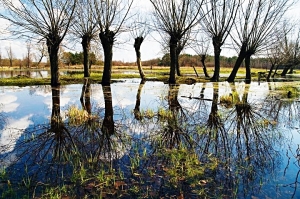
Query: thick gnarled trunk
x=238, y=63
x=86, y=44
x=53, y=42
x=217, y=52
x=137, y=45
x=107, y=40
x=236, y=67
x=173, y=56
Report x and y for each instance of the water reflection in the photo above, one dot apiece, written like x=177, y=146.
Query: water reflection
x=137, y=112
x=254, y=143
x=186, y=144
x=85, y=97
x=28, y=73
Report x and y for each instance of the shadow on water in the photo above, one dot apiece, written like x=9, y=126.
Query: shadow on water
x=188, y=147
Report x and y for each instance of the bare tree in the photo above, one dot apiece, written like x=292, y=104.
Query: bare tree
x=254, y=30
x=201, y=48
x=218, y=17
x=110, y=15
x=28, y=53
x=274, y=56
x=41, y=52
x=182, y=44
x=292, y=53
x=175, y=18
x=49, y=19
x=10, y=55
x=279, y=52
x=85, y=27
x=139, y=31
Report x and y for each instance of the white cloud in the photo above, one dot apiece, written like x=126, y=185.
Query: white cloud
x=8, y=103
x=13, y=131
x=9, y=137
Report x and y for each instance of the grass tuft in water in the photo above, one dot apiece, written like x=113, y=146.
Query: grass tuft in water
x=77, y=116
x=229, y=100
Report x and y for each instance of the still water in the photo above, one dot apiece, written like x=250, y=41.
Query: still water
x=156, y=137
x=29, y=73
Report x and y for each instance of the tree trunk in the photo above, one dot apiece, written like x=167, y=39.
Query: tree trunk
x=107, y=40
x=85, y=97
x=56, y=121
x=53, y=42
x=39, y=62
x=285, y=70
x=137, y=45
x=270, y=71
x=173, y=98
x=178, y=73
x=203, y=57
x=86, y=41
x=248, y=69
x=178, y=51
x=291, y=70
x=217, y=52
x=55, y=102
x=236, y=67
x=108, y=125
x=174, y=59
x=213, y=122
x=275, y=72
x=238, y=62
x=137, y=112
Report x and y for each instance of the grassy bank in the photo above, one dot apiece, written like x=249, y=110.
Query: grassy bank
x=74, y=75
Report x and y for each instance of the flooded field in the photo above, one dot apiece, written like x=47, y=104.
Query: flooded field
x=150, y=140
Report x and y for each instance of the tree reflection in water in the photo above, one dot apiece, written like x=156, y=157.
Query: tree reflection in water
x=254, y=141
x=137, y=111
x=41, y=153
x=175, y=120
x=204, y=151
x=295, y=159
x=85, y=97
x=64, y=153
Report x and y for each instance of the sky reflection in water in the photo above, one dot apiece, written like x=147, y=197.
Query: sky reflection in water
x=27, y=107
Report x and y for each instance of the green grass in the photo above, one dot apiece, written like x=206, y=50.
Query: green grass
x=76, y=76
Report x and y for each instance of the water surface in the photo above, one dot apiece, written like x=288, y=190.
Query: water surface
x=252, y=142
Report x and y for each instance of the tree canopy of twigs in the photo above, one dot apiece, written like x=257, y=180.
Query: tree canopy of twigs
x=48, y=19
x=175, y=18
x=254, y=30
x=201, y=47
x=218, y=17
x=85, y=27
x=139, y=31
x=110, y=15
